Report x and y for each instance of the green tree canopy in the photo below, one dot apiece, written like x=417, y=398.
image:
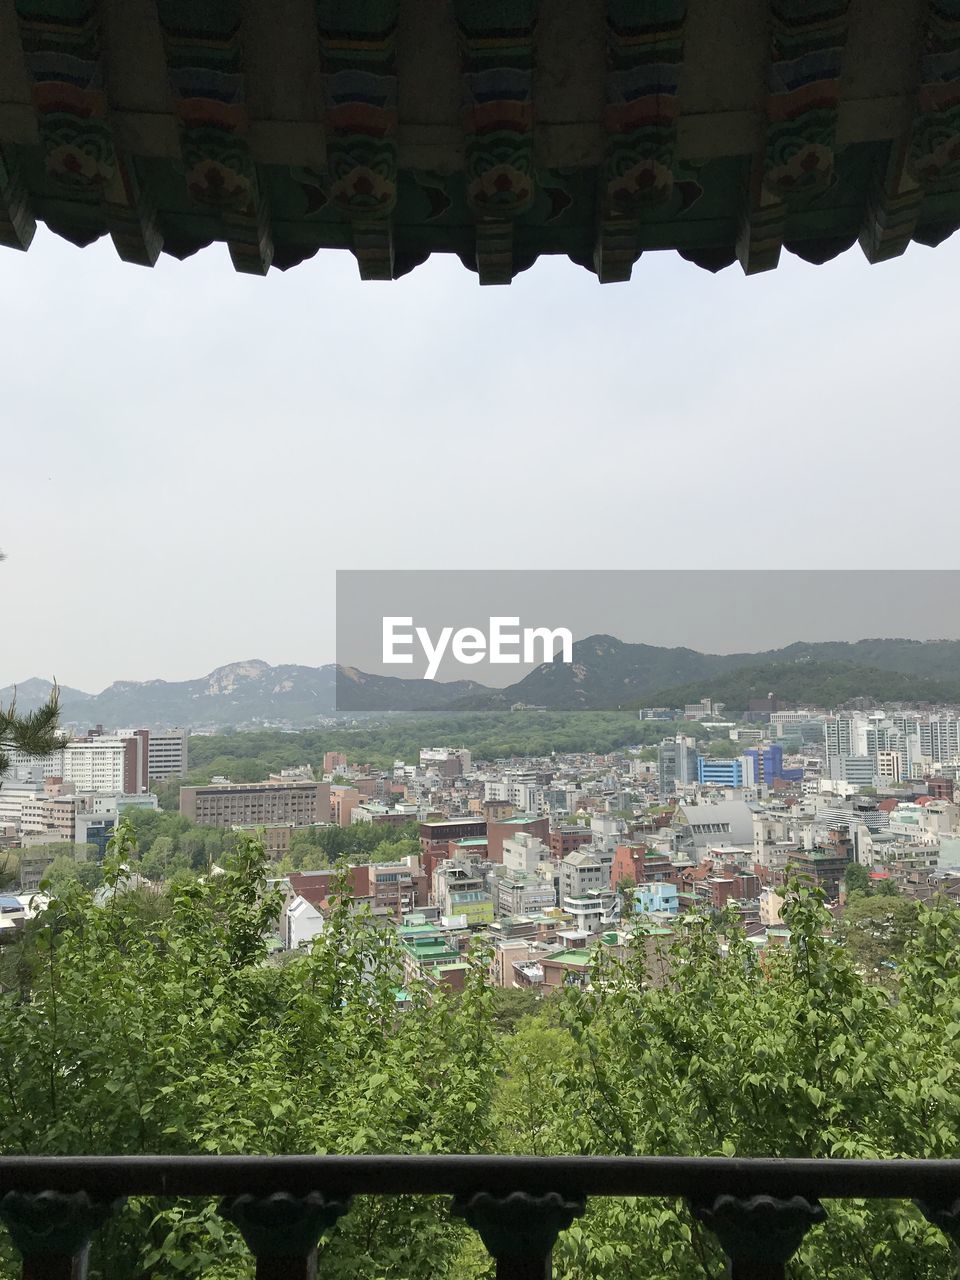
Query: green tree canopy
x=856, y=878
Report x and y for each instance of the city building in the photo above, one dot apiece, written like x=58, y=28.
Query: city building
x=521, y=894
x=448, y=762
x=34, y=866
x=585, y=892
x=719, y=772
x=301, y=804
x=99, y=761
x=50, y=819
x=565, y=839
x=95, y=829
x=701, y=827
x=698, y=710
x=523, y=851
x=839, y=736
x=825, y=865
x=301, y=922
x=859, y=771
x=656, y=897
x=460, y=889
x=507, y=828
x=889, y=766
x=786, y=724
x=166, y=754
x=676, y=764
x=768, y=768
x=437, y=833
x=343, y=801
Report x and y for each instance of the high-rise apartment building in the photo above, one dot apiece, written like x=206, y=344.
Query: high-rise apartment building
x=676, y=763
x=108, y=762
x=839, y=736
x=940, y=738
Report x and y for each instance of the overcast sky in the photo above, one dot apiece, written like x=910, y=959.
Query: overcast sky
x=188, y=454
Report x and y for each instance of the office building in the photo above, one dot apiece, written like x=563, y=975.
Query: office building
x=167, y=754
x=301, y=804
x=767, y=767
x=719, y=773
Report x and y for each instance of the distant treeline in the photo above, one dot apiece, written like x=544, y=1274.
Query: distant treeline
x=818, y=684
x=249, y=757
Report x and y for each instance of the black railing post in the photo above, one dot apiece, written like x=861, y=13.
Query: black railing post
x=520, y=1229
x=759, y=1235
x=53, y=1229
x=282, y=1230
x=944, y=1214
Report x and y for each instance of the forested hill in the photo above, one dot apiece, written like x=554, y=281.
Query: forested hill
x=606, y=672
x=815, y=684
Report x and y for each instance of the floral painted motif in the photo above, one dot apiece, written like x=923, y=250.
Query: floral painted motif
x=205, y=63
x=497, y=54
x=798, y=161
x=645, y=185
x=501, y=191
x=211, y=182
x=806, y=63
x=940, y=168
x=79, y=157
x=63, y=58
x=645, y=55
x=361, y=93
x=363, y=191
x=809, y=169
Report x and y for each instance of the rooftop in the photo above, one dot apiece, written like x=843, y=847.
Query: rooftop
x=578, y=956
x=495, y=133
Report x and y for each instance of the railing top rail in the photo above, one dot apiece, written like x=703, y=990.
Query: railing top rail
x=215, y=1175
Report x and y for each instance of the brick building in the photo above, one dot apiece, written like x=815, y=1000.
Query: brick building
x=568, y=839
x=437, y=833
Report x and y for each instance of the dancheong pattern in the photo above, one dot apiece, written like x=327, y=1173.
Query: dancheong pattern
x=640, y=179
x=498, y=60
x=506, y=144
x=797, y=164
x=358, y=47
x=62, y=55
x=205, y=60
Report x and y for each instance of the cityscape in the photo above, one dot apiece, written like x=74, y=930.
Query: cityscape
x=545, y=858
x=479, y=796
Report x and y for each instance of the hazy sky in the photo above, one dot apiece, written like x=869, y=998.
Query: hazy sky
x=188, y=454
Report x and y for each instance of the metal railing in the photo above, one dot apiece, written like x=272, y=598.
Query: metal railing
x=758, y=1209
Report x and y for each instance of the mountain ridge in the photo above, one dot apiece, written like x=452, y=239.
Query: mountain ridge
x=606, y=673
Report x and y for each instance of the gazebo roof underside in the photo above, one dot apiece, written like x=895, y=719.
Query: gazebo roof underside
x=496, y=131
